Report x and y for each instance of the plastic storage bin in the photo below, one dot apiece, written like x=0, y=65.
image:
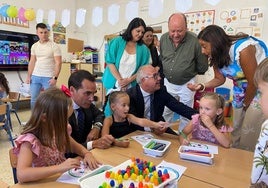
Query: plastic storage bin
x=156, y=147
x=196, y=154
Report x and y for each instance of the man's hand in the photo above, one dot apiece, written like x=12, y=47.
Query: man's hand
x=159, y=131
x=28, y=80
x=104, y=142
x=93, y=134
x=52, y=82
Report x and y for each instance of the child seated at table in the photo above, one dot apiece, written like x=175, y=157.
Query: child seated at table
x=259, y=174
x=119, y=124
x=208, y=125
x=42, y=145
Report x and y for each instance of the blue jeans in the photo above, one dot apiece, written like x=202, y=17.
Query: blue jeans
x=37, y=83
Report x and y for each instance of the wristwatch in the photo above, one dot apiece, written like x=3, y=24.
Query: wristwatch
x=55, y=77
x=97, y=125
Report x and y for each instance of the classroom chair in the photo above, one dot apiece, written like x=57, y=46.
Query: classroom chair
x=15, y=96
x=4, y=125
x=13, y=162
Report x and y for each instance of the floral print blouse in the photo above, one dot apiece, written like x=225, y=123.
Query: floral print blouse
x=44, y=156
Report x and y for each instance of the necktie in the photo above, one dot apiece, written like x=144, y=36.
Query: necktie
x=80, y=122
x=147, y=106
x=152, y=107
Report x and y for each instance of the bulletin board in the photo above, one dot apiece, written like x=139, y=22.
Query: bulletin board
x=75, y=45
x=198, y=20
x=246, y=20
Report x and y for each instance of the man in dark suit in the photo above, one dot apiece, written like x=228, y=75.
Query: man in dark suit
x=87, y=119
x=148, y=84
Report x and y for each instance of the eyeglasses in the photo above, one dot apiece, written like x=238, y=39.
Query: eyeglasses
x=154, y=76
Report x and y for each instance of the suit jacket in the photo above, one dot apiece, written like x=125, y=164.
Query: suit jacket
x=161, y=99
x=92, y=115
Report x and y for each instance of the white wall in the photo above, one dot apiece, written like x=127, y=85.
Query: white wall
x=96, y=33
x=94, y=36
x=45, y=5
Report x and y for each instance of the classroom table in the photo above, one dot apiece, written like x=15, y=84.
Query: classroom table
x=231, y=167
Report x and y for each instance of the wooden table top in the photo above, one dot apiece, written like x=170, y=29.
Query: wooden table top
x=231, y=167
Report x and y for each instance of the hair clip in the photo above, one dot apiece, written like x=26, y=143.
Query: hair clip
x=65, y=90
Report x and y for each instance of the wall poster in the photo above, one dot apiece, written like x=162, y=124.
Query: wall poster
x=198, y=20
x=59, y=33
x=246, y=20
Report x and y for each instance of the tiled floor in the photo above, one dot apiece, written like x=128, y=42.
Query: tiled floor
x=5, y=168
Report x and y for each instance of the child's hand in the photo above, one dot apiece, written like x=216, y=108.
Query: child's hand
x=69, y=164
x=91, y=161
x=185, y=142
x=206, y=120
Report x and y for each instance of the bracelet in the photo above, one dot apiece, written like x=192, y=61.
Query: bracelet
x=202, y=88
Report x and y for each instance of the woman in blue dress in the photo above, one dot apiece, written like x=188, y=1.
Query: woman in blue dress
x=236, y=57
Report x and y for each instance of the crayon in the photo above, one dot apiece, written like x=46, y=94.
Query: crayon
x=196, y=151
x=151, y=144
x=162, y=147
x=199, y=154
x=158, y=145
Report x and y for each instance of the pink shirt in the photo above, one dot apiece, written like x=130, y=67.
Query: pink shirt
x=203, y=133
x=44, y=156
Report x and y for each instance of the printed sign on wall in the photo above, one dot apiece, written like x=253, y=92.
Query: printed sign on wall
x=196, y=21
x=246, y=20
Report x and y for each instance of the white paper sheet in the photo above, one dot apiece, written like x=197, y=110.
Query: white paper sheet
x=211, y=148
x=178, y=169
x=143, y=139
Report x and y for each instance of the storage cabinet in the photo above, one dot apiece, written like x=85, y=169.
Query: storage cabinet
x=68, y=68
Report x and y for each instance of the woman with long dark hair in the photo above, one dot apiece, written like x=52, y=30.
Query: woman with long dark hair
x=236, y=57
x=125, y=54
